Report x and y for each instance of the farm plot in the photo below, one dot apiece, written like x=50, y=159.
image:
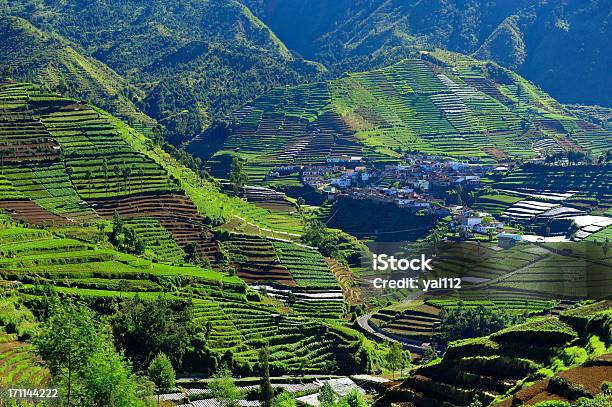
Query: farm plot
x=420, y=323
x=158, y=242
x=307, y=266
x=495, y=204
x=176, y=213
x=31, y=213
x=558, y=276
x=257, y=261
x=489, y=367
x=551, y=182
x=528, y=210
x=18, y=364
x=296, y=344
x=268, y=199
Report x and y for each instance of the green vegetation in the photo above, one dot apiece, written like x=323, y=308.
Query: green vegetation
x=495, y=367
x=353, y=35
x=179, y=81
x=162, y=373
x=461, y=323
x=441, y=103
x=80, y=354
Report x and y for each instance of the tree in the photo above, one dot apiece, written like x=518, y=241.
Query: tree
x=395, y=357
x=476, y=402
x=162, y=373
x=465, y=322
x=6, y=72
x=223, y=388
x=406, y=361
x=145, y=328
x=317, y=235
x=326, y=396
x=65, y=343
x=300, y=202
x=78, y=350
x=191, y=252
x=238, y=178
x=107, y=380
x=267, y=393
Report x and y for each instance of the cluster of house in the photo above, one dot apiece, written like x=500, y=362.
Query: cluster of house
x=470, y=222
x=420, y=172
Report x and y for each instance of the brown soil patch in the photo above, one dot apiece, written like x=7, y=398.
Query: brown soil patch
x=591, y=377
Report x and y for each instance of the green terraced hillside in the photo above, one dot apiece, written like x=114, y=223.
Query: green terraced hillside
x=442, y=103
x=232, y=316
x=496, y=367
x=60, y=65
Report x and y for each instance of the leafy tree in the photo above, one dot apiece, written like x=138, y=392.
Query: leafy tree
x=78, y=350
x=224, y=389
x=66, y=341
x=326, y=396
x=317, y=235
x=353, y=399
x=162, y=373
x=300, y=203
x=191, y=253
x=429, y=355
x=145, y=328
x=267, y=393
x=107, y=380
x=476, y=402
x=238, y=177
x=395, y=357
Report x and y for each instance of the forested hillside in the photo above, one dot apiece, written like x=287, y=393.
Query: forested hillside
x=52, y=60
x=193, y=61
x=552, y=43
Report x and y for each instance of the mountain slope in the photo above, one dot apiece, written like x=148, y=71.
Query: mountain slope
x=443, y=103
x=195, y=61
x=71, y=167
x=51, y=60
x=552, y=43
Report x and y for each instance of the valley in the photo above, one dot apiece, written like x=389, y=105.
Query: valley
x=192, y=196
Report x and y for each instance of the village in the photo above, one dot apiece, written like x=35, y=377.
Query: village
x=419, y=184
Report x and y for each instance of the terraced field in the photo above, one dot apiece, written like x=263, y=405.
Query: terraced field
x=157, y=239
x=490, y=367
x=441, y=104
x=175, y=213
x=18, y=364
x=256, y=260
x=307, y=266
x=419, y=324
x=60, y=154
x=588, y=181
x=221, y=308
